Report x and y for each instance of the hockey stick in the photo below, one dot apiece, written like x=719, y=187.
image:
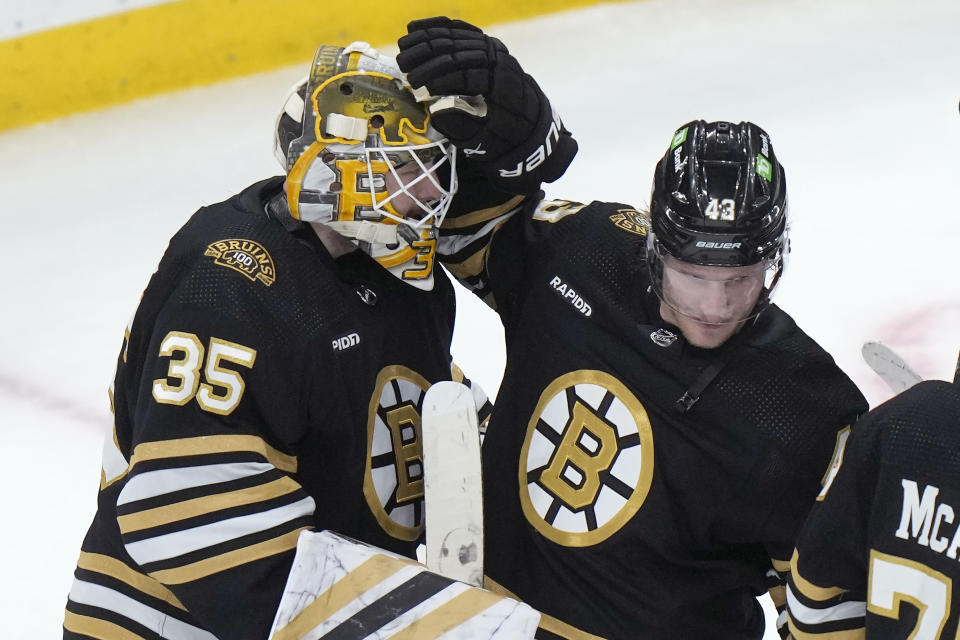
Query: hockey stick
x=891, y=368
x=452, y=483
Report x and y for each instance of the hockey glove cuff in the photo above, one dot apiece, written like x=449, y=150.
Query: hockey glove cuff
x=493, y=111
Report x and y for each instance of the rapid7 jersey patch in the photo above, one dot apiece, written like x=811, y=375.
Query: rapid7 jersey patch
x=587, y=460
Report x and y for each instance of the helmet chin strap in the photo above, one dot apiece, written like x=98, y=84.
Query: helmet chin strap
x=339, y=125
x=375, y=232
x=367, y=231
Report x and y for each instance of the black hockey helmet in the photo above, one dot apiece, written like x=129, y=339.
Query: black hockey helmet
x=720, y=195
x=719, y=199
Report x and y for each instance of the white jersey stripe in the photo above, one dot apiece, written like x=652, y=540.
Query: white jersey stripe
x=449, y=245
x=96, y=595
x=782, y=619
x=157, y=483
x=171, y=545
x=808, y=615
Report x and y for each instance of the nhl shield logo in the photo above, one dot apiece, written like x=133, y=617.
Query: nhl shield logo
x=393, y=482
x=587, y=460
x=663, y=338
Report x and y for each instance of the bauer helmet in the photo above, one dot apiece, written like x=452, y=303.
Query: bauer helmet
x=348, y=130
x=719, y=200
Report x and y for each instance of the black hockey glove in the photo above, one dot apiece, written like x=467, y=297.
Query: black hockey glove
x=485, y=104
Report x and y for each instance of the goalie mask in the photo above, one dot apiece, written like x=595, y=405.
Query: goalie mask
x=718, y=242
x=362, y=158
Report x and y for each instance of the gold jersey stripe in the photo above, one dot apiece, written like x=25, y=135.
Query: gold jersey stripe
x=490, y=301
x=547, y=623
x=456, y=373
x=472, y=266
x=203, y=445
x=482, y=215
x=224, y=561
x=449, y=615
x=849, y=634
x=207, y=504
x=807, y=588
x=779, y=596
x=370, y=573
x=780, y=566
x=112, y=567
x=99, y=629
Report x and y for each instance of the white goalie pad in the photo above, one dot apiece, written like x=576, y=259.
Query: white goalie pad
x=341, y=588
x=453, y=494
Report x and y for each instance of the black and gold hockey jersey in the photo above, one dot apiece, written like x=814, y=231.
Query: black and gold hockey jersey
x=636, y=486
x=878, y=556
x=263, y=388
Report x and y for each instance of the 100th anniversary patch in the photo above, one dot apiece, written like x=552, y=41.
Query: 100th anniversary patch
x=245, y=256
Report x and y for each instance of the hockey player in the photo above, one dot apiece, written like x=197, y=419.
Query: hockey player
x=877, y=557
x=662, y=427
x=272, y=376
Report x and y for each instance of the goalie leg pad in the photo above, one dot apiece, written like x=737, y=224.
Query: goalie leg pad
x=345, y=588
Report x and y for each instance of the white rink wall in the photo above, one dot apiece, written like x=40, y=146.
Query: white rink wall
x=859, y=97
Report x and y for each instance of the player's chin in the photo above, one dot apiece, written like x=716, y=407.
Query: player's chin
x=707, y=335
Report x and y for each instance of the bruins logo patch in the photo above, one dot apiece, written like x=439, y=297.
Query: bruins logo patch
x=631, y=220
x=587, y=460
x=246, y=256
x=393, y=483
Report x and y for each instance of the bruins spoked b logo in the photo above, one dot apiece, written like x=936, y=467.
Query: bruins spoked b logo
x=393, y=484
x=587, y=460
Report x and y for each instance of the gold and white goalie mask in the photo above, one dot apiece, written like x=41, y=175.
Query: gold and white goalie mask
x=362, y=158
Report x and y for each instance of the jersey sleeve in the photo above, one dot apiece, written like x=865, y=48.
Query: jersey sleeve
x=477, y=213
x=810, y=413
x=482, y=403
x=210, y=504
x=826, y=591
x=489, y=238
x=783, y=533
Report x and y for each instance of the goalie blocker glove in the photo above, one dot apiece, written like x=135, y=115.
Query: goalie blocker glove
x=486, y=105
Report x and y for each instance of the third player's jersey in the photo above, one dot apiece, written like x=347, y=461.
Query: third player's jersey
x=263, y=388
x=612, y=507
x=878, y=556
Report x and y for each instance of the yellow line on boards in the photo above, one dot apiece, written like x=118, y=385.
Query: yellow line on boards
x=185, y=43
